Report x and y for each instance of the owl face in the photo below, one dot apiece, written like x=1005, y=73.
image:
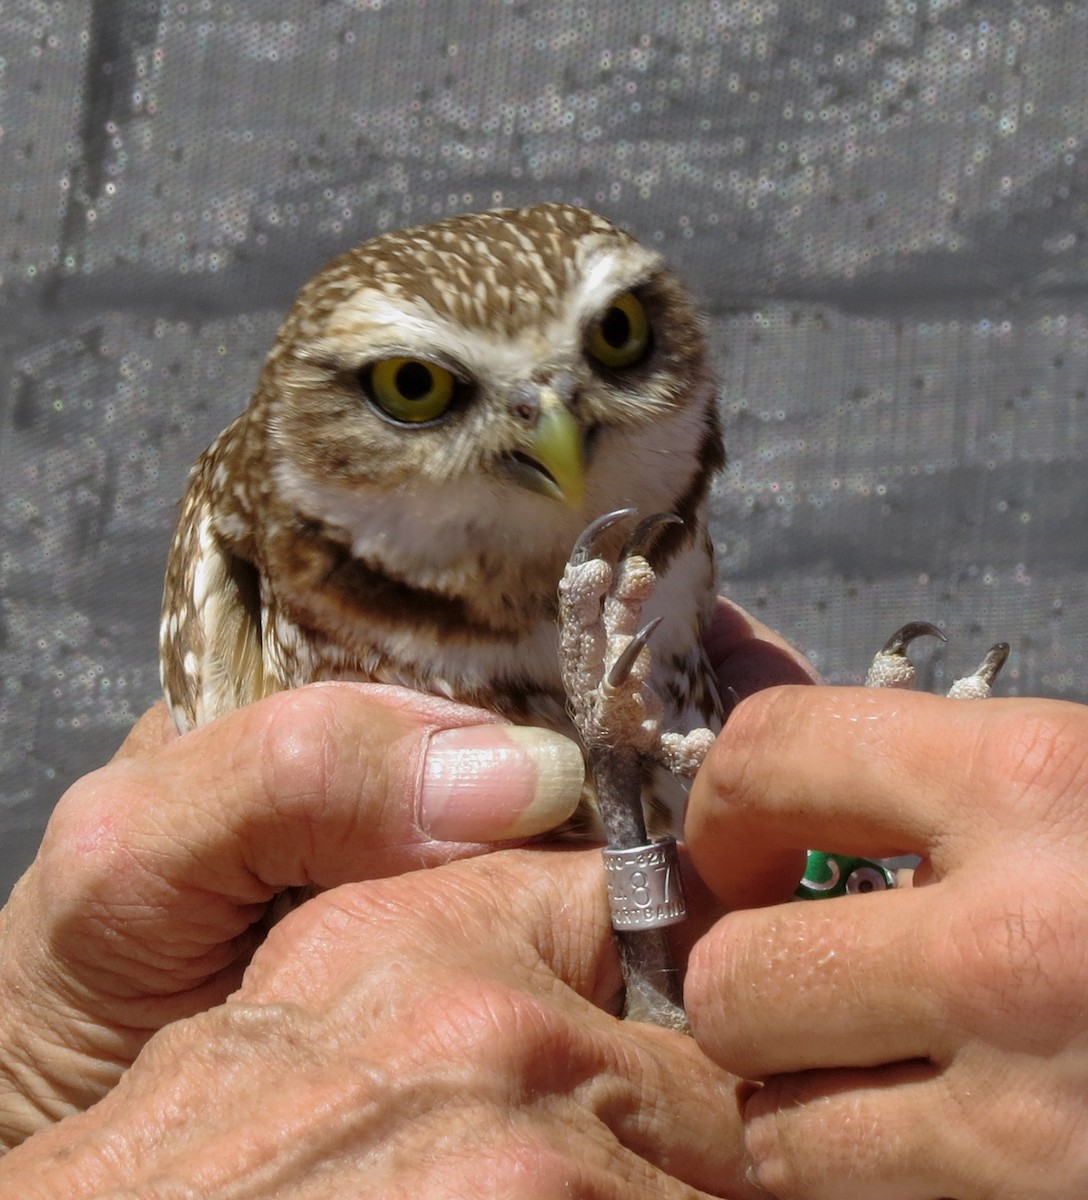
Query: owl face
x=442, y=414
x=496, y=379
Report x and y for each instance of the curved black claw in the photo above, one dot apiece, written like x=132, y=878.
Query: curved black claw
x=643, y=533
x=585, y=547
x=905, y=634
x=621, y=668
x=992, y=662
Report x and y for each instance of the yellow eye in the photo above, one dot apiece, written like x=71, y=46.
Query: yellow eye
x=411, y=390
x=622, y=336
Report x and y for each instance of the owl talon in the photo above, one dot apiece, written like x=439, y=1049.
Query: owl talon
x=641, y=537
x=892, y=668
x=588, y=543
x=622, y=667
x=977, y=685
x=905, y=634
x=605, y=673
x=992, y=661
x=607, y=677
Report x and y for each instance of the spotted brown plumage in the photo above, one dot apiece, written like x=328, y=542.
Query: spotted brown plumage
x=442, y=413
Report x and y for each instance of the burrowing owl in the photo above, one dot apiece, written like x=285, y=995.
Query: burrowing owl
x=442, y=413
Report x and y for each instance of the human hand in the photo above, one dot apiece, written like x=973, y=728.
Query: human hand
x=145, y=900
x=146, y=897
x=443, y=1033
x=929, y=1041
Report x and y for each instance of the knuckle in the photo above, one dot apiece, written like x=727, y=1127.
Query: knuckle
x=754, y=726
x=770, y=1164
x=296, y=746
x=508, y=1032
x=1039, y=751
x=530, y=1167
x=857, y=1141
x=714, y=967
x=87, y=848
x=1020, y=962
x=1033, y=1134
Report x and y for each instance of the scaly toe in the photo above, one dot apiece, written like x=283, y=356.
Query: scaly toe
x=891, y=668
x=977, y=685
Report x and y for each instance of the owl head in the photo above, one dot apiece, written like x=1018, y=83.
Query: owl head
x=498, y=379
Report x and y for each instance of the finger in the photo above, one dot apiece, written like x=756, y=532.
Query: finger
x=522, y=997
x=176, y=852
x=835, y=975
x=700, y=1140
x=652, y=1088
x=895, y=1132
x=560, y=1159
x=343, y=781
x=860, y=771
x=748, y=656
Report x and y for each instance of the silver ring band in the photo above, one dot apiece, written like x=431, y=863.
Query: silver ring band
x=644, y=887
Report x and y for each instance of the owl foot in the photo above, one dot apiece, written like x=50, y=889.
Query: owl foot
x=605, y=662
x=892, y=668
x=603, y=650
x=833, y=874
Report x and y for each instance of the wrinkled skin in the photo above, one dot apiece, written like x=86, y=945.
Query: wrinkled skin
x=925, y=1042
x=396, y=1039
x=142, y=913
x=144, y=902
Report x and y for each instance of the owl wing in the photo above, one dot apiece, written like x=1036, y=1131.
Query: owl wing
x=210, y=642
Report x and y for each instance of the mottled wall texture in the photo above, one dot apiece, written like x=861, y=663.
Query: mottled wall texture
x=882, y=205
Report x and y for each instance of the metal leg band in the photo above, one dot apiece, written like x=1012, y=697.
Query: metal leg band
x=644, y=887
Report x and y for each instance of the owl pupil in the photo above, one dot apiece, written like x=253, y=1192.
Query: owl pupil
x=414, y=381
x=616, y=327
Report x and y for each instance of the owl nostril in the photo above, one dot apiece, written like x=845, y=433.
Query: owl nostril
x=524, y=403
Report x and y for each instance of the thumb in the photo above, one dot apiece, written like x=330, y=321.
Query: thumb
x=328, y=784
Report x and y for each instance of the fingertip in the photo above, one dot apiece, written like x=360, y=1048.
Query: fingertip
x=748, y=655
x=498, y=782
x=740, y=853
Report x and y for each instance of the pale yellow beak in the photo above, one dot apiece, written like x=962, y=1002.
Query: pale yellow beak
x=553, y=460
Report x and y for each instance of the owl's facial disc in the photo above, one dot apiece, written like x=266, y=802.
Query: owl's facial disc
x=551, y=459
